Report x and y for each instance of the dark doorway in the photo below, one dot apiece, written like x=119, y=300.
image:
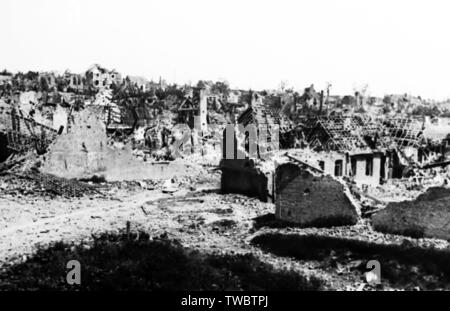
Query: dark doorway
x=338, y=168
x=397, y=167
x=383, y=167
x=4, y=151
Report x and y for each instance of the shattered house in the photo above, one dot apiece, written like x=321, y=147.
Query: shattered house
x=314, y=190
x=194, y=109
x=240, y=172
x=350, y=147
x=270, y=120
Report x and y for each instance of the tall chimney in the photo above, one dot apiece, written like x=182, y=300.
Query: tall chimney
x=321, y=102
x=202, y=106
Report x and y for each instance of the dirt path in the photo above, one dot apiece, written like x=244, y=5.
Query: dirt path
x=201, y=220
x=73, y=224
x=193, y=218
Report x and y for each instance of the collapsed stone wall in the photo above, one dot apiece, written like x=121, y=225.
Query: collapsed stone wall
x=241, y=176
x=309, y=200
x=82, y=151
x=427, y=216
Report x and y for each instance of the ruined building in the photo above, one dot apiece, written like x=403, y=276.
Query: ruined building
x=349, y=147
x=268, y=121
x=307, y=197
x=260, y=131
x=100, y=77
x=194, y=109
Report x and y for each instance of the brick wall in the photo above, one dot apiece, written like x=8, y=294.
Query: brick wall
x=240, y=176
x=310, y=200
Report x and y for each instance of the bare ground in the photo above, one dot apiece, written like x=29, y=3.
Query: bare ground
x=202, y=219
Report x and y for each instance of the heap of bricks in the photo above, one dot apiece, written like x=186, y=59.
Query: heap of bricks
x=61, y=186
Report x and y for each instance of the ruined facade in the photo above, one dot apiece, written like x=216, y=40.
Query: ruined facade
x=49, y=78
x=349, y=147
x=74, y=81
x=82, y=151
x=268, y=122
x=193, y=111
x=140, y=82
x=100, y=77
x=255, y=136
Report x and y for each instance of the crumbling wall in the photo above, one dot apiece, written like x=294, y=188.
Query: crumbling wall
x=311, y=200
x=82, y=151
x=241, y=176
x=427, y=216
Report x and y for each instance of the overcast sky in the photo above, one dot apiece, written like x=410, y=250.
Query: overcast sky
x=394, y=46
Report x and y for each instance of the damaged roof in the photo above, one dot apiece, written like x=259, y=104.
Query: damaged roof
x=262, y=114
x=136, y=112
x=357, y=132
x=343, y=133
x=405, y=132
x=188, y=105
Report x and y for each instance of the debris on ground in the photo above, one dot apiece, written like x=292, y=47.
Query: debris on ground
x=427, y=216
x=319, y=197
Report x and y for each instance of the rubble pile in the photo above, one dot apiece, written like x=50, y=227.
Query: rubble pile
x=35, y=183
x=427, y=216
x=61, y=186
x=113, y=152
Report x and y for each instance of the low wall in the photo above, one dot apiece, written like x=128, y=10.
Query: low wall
x=240, y=176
